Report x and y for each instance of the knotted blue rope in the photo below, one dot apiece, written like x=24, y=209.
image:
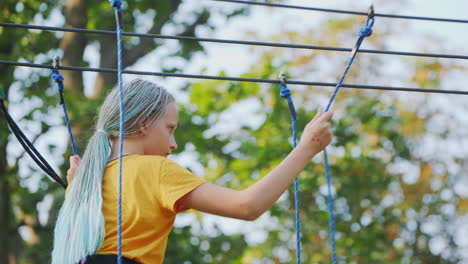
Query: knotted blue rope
x=58, y=78
x=117, y=4
x=363, y=33
x=286, y=94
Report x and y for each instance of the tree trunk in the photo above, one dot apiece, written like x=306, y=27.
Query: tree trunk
x=108, y=59
x=5, y=204
x=5, y=192
x=74, y=44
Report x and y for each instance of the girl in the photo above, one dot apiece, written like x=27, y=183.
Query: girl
x=155, y=188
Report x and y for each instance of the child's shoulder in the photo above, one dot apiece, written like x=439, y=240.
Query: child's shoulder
x=153, y=162
x=147, y=159
x=135, y=161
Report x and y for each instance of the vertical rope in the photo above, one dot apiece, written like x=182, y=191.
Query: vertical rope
x=331, y=217
x=363, y=32
x=118, y=16
x=58, y=78
x=286, y=94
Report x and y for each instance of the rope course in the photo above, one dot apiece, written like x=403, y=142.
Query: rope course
x=239, y=79
x=256, y=43
x=285, y=92
x=344, y=11
x=237, y=42
x=364, y=32
x=58, y=78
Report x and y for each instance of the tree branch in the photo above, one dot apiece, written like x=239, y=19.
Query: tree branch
x=146, y=44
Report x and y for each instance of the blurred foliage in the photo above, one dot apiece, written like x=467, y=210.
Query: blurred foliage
x=381, y=216
x=23, y=188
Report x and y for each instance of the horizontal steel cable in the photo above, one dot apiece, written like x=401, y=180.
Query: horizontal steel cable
x=239, y=42
x=239, y=79
x=344, y=11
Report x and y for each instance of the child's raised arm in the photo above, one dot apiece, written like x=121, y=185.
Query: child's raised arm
x=252, y=202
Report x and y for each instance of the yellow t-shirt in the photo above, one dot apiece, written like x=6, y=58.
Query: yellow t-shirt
x=151, y=187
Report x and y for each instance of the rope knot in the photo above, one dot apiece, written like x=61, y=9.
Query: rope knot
x=365, y=31
x=58, y=78
x=284, y=92
x=116, y=4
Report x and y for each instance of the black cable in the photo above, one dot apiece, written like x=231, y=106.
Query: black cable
x=36, y=156
x=24, y=141
x=238, y=42
x=344, y=11
x=239, y=79
x=29, y=147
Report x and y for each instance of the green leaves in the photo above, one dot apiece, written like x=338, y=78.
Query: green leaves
x=375, y=138
x=34, y=96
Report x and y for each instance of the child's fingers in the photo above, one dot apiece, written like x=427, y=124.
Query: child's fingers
x=327, y=116
x=71, y=174
x=318, y=114
x=75, y=161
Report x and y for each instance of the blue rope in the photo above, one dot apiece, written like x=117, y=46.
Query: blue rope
x=118, y=15
x=286, y=94
x=58, y=78
x=363, y=33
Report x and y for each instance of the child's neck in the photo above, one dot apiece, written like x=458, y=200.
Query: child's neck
x=130, y=146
